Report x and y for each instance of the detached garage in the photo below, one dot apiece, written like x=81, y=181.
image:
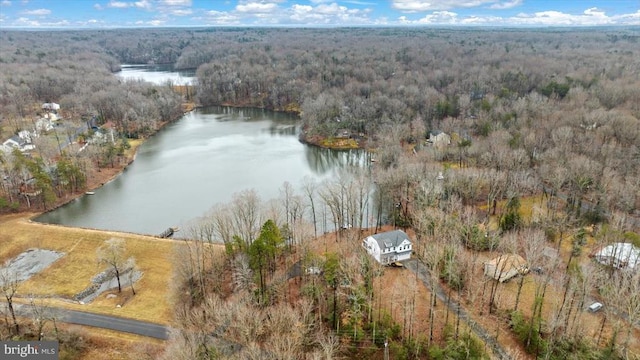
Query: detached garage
x=505, y=267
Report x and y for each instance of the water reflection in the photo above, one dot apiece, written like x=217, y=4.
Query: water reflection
x=322, y=161
x=157, y=74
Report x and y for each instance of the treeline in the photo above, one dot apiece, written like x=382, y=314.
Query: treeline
x=563, y=102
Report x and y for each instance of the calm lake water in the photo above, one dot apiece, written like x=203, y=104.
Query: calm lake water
x=198, y=161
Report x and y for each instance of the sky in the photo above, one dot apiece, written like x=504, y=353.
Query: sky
x=315, y=13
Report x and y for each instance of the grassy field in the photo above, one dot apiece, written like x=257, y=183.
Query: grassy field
x=73, y=272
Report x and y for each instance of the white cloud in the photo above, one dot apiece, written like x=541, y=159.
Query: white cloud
x=98, y=7
x=181, y=12
x=440, y=17
x=591, y=16
x=506, y=5
x=37, y=12
x=213, y=17
x=326, y=14
x=5, y=3
x=256, y=7
x=482, y=20
x=176, y=2
x=141, y=4
x=156, y=22
x=411, y=6
x=356, y=2
x=628, y=19
x=26, y=22
x=331, y=9
x=118, y=4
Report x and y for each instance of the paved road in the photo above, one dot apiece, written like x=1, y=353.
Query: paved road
x=110, y=322
x=423, y=274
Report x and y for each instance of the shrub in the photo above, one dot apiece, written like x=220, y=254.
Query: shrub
x=527, y=333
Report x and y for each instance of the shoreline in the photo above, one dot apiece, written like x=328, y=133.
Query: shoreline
x=106, y=175
x=114, y=172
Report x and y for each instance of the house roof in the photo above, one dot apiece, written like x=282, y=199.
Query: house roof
x=623, y=255
x=390, y=238
x=507, y=261
x=51, y=106
x=16, y=140
x=505, y=266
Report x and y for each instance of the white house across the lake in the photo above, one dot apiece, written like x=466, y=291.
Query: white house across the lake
x=388, y=247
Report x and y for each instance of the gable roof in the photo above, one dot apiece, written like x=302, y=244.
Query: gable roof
x=505, y=266
x=508, y=260
x=15, y=139
x=390, y=239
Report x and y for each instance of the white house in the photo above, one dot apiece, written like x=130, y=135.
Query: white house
x=17, y=142
x=51, y=106
x=619, y=255
x=388, y=247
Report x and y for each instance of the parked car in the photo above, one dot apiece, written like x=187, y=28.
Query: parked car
x=595, y=307
x=313, y=270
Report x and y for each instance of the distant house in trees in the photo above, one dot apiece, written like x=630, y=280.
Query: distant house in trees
x=505, y=267
x=50, y=107
x=438, y=137
x=619, y=256
x=22, y=143
x=388, y=247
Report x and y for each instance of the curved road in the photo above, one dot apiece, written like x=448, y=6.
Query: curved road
x=110, y=322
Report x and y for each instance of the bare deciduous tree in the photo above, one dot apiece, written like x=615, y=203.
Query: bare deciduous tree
x=113, y=254
x=9, y=284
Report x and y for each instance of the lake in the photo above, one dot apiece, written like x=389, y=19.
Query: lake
x=157, y=74
x=200, y=160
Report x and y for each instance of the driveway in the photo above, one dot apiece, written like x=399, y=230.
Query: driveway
x=423, y=274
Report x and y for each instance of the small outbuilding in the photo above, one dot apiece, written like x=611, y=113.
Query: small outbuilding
x=389, y=247
x=439, y=137
x=505, y=267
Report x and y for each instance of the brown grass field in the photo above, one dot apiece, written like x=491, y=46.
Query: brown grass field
x=73, y=272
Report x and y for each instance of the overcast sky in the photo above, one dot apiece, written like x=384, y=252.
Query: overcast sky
x=166, y=13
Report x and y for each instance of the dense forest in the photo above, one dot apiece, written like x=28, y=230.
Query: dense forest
x=542, y=152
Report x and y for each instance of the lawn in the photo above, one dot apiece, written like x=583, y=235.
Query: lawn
x=73, y=272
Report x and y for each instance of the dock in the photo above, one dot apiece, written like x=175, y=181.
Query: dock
x=168, y=233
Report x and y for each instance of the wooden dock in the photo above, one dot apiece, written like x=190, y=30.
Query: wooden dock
x=168, y=233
